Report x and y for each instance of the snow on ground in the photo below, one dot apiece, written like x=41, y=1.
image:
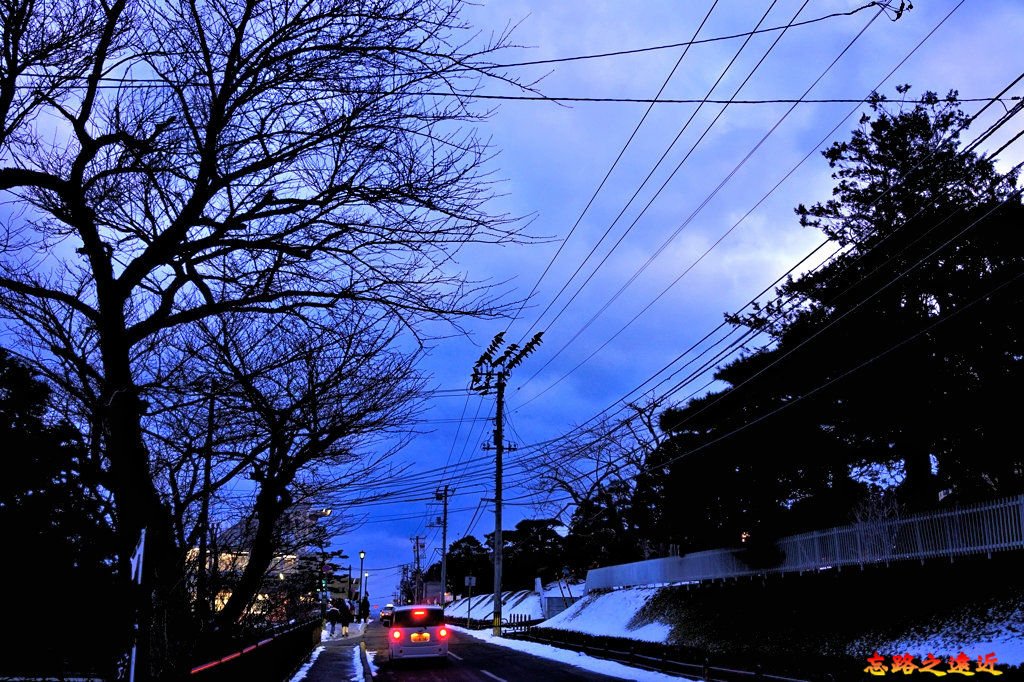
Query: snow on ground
x=579, y=660
x=525, y=603
x=610, y=614
x=1001, y=634
x=301, y=673
x=357, y=664
x=562, y=588
x=371, y=658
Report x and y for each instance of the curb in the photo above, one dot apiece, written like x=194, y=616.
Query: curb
x=367, y=672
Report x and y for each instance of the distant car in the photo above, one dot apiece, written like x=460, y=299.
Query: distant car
x=386, y=613
x=418, y=632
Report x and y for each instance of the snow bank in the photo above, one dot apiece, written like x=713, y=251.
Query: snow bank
x=612, y=614
x=597, y=665
x=524, y=603
x=1001, y=634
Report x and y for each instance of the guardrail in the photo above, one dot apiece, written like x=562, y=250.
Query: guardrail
x=273, y=657
x=662, y=662
x=977, y=529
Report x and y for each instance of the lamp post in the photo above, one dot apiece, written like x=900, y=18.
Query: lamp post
x=362, y=555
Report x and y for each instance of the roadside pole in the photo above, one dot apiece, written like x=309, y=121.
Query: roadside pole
x=491, y=372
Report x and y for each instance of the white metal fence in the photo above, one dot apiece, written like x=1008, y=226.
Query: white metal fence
x=978, y=529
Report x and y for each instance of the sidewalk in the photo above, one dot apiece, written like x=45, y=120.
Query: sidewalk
x=337, y=659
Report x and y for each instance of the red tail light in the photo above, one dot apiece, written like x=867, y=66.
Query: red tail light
x=443, y=633
x=396, y=635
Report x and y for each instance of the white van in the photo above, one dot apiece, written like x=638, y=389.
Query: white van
x=418, y=632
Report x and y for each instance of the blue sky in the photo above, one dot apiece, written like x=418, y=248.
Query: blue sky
x=551, y=159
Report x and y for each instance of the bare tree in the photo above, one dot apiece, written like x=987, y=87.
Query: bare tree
x=174, y=161
x=608, y=452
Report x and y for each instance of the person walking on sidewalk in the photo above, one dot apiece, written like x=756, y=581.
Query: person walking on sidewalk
x=345, y=616
x=364, y=608
x=333, y=615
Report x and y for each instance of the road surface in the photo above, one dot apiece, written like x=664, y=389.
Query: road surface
x=470, y=660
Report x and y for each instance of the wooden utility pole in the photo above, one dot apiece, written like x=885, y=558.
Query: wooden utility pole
x=418, y=574
x=443, y=496
x=491, y=372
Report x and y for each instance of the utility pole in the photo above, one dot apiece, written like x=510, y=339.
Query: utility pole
x=441, y=495
x=417, y=574
x=491, y=372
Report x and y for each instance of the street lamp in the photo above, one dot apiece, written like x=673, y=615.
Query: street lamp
x=362, y=555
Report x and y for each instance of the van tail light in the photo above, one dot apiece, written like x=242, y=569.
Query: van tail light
x=443, y=633
x=396, y=635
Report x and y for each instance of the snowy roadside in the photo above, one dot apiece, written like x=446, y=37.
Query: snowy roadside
x=580, y=660
x=612, y=614
x=355, y=630
x=999, y=632
x=301, y=673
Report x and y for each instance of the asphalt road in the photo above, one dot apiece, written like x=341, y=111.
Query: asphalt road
x=471, y=660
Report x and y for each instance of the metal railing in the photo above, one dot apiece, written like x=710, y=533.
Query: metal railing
x=977, y=529
x=664, y=660
x=275, y=656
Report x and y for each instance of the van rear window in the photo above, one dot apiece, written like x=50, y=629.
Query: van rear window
x=418, y=617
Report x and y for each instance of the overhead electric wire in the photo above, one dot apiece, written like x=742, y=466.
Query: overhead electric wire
x=702, y=41
x=608, y=174
x=1014, y=194
x=537, y=323
x=692, y=100
x=774, y=188
x=1002, y=121
x=665, y=244
x=926, y=39
x=584, y=57
x=971, y=146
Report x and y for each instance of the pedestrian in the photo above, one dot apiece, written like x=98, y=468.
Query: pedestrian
x=333, y=615
x=364, y=608
x=346, y=618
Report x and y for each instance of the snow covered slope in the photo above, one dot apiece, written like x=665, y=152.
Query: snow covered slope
x=612, y=614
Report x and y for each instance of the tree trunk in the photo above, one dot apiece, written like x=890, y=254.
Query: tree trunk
x=268, y=511
x=165, y=629
x=919, y=489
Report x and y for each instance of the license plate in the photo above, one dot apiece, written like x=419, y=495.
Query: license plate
x=420, y=637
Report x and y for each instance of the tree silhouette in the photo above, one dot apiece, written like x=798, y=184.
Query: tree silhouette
x=54, y=513
x=891, y=355
x=225, y=156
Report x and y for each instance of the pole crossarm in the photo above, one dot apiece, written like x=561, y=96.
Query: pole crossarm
x=491, y=373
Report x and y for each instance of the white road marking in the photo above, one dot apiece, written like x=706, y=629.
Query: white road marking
x=457, y=658
x=492, y=676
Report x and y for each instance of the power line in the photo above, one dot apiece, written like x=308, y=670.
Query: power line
x=772, y=190
x=696, y=211
x=804, y=342
x=694, y=41
x=657, y=164
x=1003, y=120
x=607, y=175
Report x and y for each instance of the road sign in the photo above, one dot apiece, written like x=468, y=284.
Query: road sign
x=470, y=581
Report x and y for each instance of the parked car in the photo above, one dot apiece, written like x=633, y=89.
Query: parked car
x=386, y=614
x=418, y=632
